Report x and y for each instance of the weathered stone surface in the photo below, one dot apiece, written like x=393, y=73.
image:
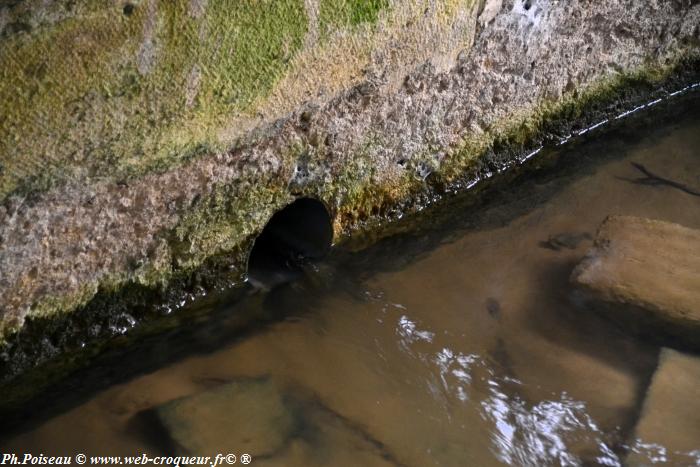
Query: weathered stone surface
x=651, y=270
x=669, y=425
x=256, y=416
x=134, y=146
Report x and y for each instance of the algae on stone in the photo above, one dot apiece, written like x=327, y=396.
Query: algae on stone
x=105, y=93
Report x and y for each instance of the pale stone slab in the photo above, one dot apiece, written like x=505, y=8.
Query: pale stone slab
x=650, y=267
x=669, y=425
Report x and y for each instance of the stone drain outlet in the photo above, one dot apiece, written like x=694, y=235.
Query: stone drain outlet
x=299, y=232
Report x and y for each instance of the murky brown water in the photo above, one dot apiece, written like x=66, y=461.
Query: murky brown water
x=454, y=343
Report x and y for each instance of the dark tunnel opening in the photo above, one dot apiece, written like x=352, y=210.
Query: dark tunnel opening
x=298, y=233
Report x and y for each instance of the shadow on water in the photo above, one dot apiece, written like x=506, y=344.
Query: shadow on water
x=222, y=319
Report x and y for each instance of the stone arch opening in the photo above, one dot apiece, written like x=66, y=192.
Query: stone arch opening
x=301, y=231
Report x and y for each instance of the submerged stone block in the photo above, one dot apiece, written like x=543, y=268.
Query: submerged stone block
x=272, y=424
x=669, y=425
x=647, y=274
x=244, y=416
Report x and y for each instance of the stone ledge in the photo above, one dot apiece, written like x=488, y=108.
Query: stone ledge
x=669, y=424
x=647, y=272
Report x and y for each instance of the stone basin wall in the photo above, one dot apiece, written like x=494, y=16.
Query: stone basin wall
x=144, y=142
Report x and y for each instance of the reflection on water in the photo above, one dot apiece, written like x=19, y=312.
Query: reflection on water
x=538, y=435
x=454, y=342
x=658, y=454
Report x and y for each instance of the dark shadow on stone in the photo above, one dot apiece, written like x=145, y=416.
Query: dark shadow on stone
x=146, y=426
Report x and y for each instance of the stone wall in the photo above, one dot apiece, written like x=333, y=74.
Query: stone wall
x=144, y=142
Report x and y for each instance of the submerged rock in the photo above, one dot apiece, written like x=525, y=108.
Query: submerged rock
x=244, y=416
x=669, y=425
x=273, y=425
x=647, y=272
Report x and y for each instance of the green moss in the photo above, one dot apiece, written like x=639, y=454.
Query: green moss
x=358, y=197
x=263, y=37
x=335, y=14
x=227, y=219
x=52, y=306
x=157, y=269
x=118, y=95
x=45, y=84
